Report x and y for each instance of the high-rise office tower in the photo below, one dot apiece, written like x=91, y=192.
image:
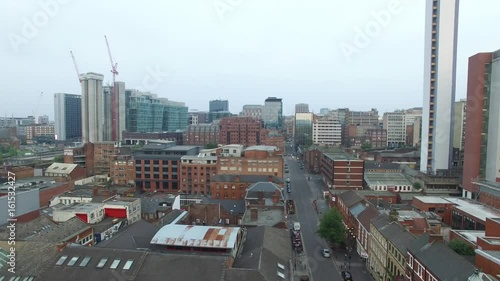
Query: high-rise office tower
x=218, y=105
x=115, y=125
x=439, y=84
x=302, y=108
x=68, y=116
x=272, y=113
x=93, y=108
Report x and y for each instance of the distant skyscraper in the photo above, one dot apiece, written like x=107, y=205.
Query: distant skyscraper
x=43, y=120
x=272, y=113
x=439, y=84
x=303, y=130
x=252, y=110
x=68, y=116
x=218, y=105
x=93, y=108
x=302, y=108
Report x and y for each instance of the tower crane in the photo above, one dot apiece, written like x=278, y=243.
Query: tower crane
x=114, y=70
x=76, y=66
x=35, y=110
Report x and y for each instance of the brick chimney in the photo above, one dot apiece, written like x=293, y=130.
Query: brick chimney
x=260, y=198
x=254, y=214
x=95, y=191
x=270, y=178
x=276, y=197
x=61, y=246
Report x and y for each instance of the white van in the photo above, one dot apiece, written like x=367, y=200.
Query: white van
x=287, y=179
x=296, y=226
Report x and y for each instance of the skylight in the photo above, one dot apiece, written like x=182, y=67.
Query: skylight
x=61, y=260
x=281, y=275
x=281, y=266
x=102, y=262
x=85, y=261
x=16, y=278
x=72, y=261
x=128, y=264
x=115, y=264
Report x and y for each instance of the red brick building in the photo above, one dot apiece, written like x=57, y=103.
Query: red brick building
x=196, y=173
x=377, y=137
x=21, y=172
x=474, y=126
x=240, y=130
x=273, y=138
x=256, y=160
x=438, y=205
x=489, y=247
x=224, y=186
x=83, y=155
x=342, y=171
x=122, y=170
x=312, y=159
x=202, y=134
x=344, y=202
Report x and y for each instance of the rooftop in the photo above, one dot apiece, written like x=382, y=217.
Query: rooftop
x=262, y=148
x=246, y=178
x=31, y=258
x=398, y=236
x=374, y=165
x=477, y=210
x=357, y=209
x=350, y=198
x=197, y=236
x=78, y=207
x=340, y=156
x=85, y=263
x=34, y=182
x=432, y=200
x=61, y=168
x=386, y=179
x=470, y=235
x=266, y=217
x=132, y=237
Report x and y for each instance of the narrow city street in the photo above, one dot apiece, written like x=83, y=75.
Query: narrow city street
x=322, y=269
x=304, y=192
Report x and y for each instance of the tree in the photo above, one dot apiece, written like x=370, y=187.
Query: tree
x=331, y=227
x=59, y=159
x=210, y=146
x=461, y=248
x=366, y=146
x=417, y=185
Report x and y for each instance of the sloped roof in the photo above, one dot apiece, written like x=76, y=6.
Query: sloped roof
x=366, y=215
x=350, y=198
x=440, y=260
x=134, y=236
x=398, y=236
x=197, y=236
x=267, y=188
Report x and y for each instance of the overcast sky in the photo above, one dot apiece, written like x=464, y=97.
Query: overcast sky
x=240, y=50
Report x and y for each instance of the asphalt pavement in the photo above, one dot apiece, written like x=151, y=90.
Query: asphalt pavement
x=320, y=268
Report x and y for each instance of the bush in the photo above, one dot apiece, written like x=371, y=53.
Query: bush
x=461, y=248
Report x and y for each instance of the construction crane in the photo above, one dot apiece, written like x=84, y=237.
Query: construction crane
x=114, y=70
x=76, y=66
x=35, y=110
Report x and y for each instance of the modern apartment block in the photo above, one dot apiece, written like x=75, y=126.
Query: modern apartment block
x=240, y=130
x=302, y=108
x=252, y=110
x=394, y=124
x=477, y=116
x=93, y=108
x=218, y=105
x=439, y=84
x=147, y=113
x=202, y=134
x=68, y=116
x=272, y=113
x=327, y=130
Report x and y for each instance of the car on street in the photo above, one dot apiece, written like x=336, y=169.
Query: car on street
x=325, y=253
x=346, y=276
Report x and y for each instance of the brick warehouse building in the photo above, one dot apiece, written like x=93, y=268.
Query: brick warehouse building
x=256, y=160
x=234, y=187
x=240, y=130
x=196, y=173
x=202, y=134
x=342, y=171
x=157, y=166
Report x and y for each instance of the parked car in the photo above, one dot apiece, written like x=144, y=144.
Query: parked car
x=346, y=276
x=325, y=253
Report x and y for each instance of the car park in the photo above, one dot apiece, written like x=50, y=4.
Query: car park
x=325, y=253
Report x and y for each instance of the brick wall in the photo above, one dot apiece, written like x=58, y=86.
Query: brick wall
x=47, y=194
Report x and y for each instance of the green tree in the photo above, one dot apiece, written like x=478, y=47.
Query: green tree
x=210, y=146
x=366, y=146
x=461, y=248
x=417, y=185
x=59, y=159
x=331, y=227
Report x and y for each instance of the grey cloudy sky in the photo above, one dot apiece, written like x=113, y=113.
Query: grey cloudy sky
x=244, y=51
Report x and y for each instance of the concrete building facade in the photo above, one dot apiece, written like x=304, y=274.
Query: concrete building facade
x=327, y=131
x=93, y=109
x=68, y=116
x=441, y=28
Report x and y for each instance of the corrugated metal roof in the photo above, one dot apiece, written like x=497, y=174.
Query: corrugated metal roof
x=197, y=236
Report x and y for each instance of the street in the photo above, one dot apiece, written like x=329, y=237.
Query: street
x=322, y=269
x=304, y=192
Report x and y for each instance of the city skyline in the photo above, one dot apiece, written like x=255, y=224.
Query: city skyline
x=241, y=62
